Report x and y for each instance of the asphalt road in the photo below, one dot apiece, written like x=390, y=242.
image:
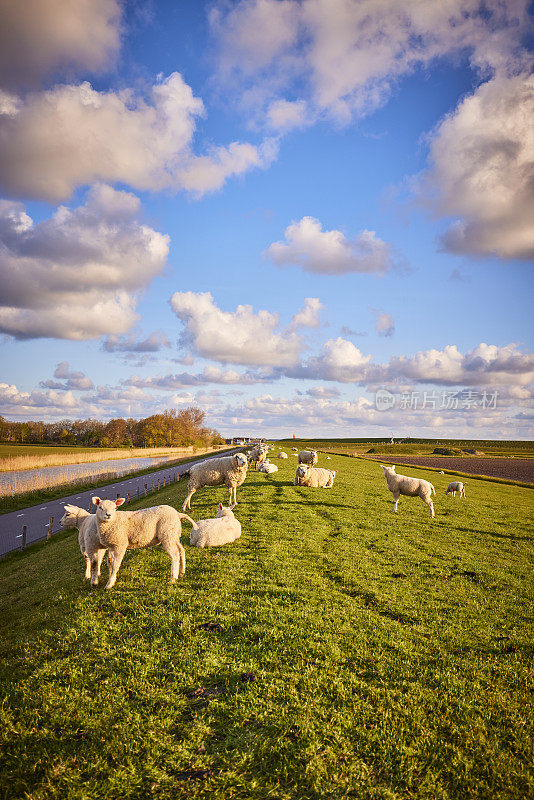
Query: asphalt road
x=37, y=518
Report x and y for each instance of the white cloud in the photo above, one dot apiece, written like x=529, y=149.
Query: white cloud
x=72, y=135
x=482, y=170
x=238, y=337
x=129, y=344
x=346, y=56
x=72, y=379
x=286, y=115
x=77, y=274
x=328, y=252
x=384, y=324
x=209, y=374
x=308, y=317
x=38, y=37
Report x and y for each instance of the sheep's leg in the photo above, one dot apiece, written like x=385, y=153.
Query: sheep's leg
x=99, y=558
x=116, y=556
x=395, y=502
x=430, y=504
x=181, y=551
x=187, y=501
x=87, y=575
x=177, y=555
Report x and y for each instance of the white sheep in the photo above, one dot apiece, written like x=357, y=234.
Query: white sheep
x=316, y=477
x=411, y=487
x=228, y=471
x=308, y=457
x=223, y=529
x=282, y=455
x=456, y=486
x=266, y=466
x=123, y=530
x=258, y=453
x=88, y=539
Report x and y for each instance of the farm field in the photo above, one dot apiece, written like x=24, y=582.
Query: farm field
x=522, y=449
x=513, y=469
x=334, y=651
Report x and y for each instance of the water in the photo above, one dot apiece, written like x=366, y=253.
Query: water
x=31, y=479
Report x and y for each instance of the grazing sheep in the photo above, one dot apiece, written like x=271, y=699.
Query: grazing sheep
x=441, y=472
x=228, y=471
x=122, y=530
x=223, y=529
x=412, y=487
x=328, y=458
x=258, y=453
x=90, y=547
x=316, y=477
x=282, y=455
x=266, y=466
x=456, y=486
x=308, y=457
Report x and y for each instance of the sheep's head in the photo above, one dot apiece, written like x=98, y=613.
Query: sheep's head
x=105, y=509
x=70, y=517
x=240, y=460
x=302, y=470
x=224, y=511
x=389, y=468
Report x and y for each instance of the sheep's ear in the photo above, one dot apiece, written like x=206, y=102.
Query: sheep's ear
x=96, y=501
x=70, y=509
x=220, y=506
x=119, y=501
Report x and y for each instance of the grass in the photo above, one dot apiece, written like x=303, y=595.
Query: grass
x=12, y=459
x=334, y=651
x=519, y=449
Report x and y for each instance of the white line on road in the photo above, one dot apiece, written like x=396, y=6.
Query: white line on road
x=20, y=515
x=43, y=508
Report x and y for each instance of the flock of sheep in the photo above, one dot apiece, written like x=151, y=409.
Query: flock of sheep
x=117, y=531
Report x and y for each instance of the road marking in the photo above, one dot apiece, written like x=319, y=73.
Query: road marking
x=19, y=536
x=20, y=515
x=43, y=508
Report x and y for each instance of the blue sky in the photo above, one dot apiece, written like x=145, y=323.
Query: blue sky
x=270, y=209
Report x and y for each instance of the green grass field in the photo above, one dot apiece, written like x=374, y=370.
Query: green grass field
x=520, y=449
x=334, y=651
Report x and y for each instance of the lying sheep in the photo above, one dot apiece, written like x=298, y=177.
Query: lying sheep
x=282, y=455
x=266, y=466
x=411, y=487
x=456, y=486
x=223, y=529
x=308, y=457
x=316, y=477
x=228, y=471
x=123, y=530
x=90, y=547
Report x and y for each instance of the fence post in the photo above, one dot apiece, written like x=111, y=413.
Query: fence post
x=50, y=525
x=118, y=495
x=146, y=489
x=152, y=485
x=159, y=480
x=164, y=478
x=24, y=537
x=90, y=505
x=128, y=498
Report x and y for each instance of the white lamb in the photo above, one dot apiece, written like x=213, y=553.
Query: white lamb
x=223, y=529
x=316, y=477
x=88, y=539
x=456, y=486
x=258, y=453
x=123, y=530
x=282, y=455
x=308, y=457
x=266, y=466
x=228, y=471
x=411, y=487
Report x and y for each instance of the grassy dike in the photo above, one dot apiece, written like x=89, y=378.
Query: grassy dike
x=335, y=650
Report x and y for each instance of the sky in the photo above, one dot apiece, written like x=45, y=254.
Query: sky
x=306, y=217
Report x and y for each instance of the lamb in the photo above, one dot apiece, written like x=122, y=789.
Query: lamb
x=308, y=457
x=266, y=466
x=258, y=453
x=228, y=471
x=120, y=530
x=223, y=529
x=412, y=487
x=456, y=486
x=282, y=455
x=90, y=547
x=316, y=477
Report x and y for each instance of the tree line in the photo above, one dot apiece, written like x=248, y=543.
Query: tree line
x=170, y=429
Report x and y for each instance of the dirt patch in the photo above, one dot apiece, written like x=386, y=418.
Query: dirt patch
x=512, y=469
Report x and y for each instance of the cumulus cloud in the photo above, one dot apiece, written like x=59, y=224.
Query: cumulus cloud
x=38, y=37
x=308, y=317
x=239, y=337
x=77, y=274
x=72, y=135
x=210, y=374
x=482, y=170
x=71, y=379
x=328, y=252
x=384, y=324
x=129, y=344
x=286, y=115
x=323, y=392
x=345, y=57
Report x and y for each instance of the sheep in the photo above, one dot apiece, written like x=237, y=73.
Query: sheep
x=266, y=466
x=441, y=472
x=456, y=486
x=258, y=453
x=308, y=457
x=90, y=546
x=412, y=487
x=228, y=471
x=316, y=477
x=328, y=458
x=282, y=455
x=120, y=530
x=223, y=529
